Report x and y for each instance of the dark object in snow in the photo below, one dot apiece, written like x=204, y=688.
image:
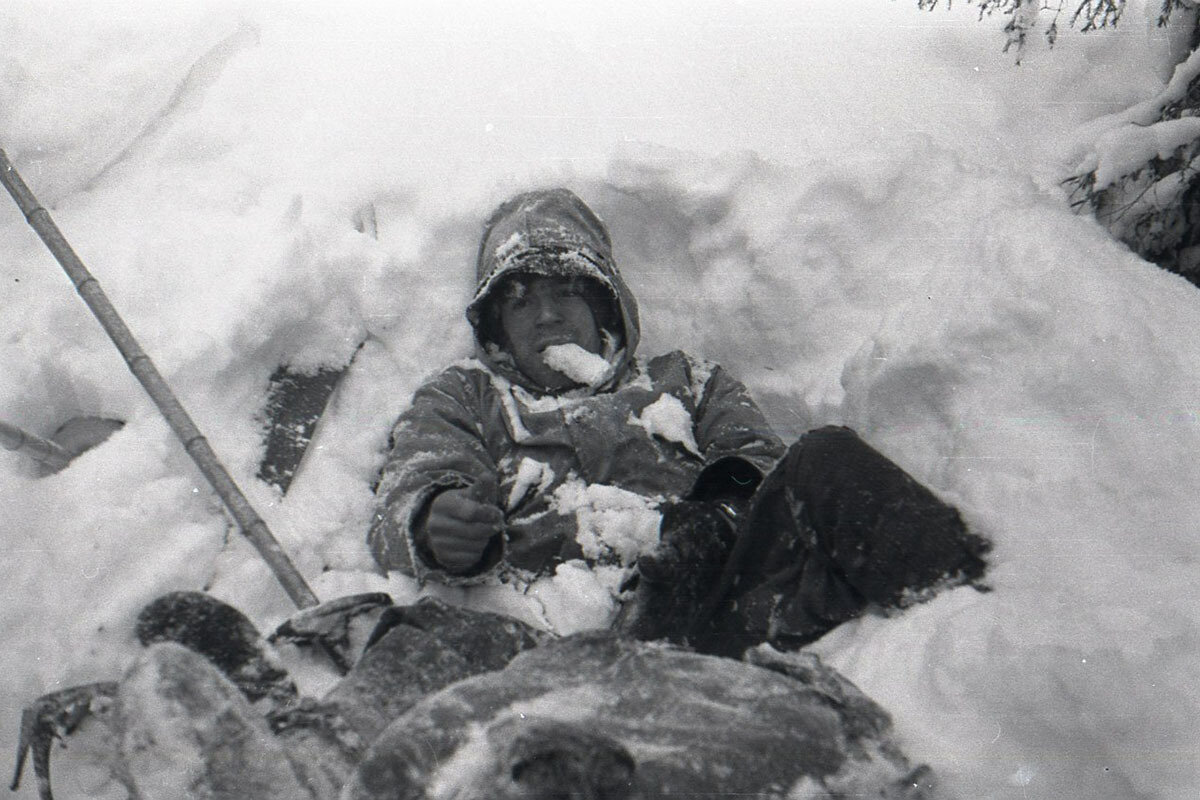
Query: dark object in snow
x=220, y=633
x=80, y=434
x=295, y=402
x=56, y=716
x=596, y=716
x=418, y=649
x=74, y=437
x=331, y=626
x=834, y=529
x=296, y=398
x=672, y=584
x=451, y=702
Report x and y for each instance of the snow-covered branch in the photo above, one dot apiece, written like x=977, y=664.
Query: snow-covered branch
x=1087, y=15
x=1139, y=170
x=1140, y=174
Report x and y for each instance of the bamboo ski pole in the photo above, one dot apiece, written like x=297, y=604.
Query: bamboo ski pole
x=52, y=454
x=143, y=368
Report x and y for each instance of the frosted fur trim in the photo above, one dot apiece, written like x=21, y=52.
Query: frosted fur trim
x=550, y=232
x=557, y=261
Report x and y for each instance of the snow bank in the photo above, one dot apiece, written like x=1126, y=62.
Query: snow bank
x=852, y=208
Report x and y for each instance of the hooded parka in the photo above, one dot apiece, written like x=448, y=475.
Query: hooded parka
x=648, y=426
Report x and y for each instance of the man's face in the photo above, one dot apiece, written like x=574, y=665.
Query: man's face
x=540, y=311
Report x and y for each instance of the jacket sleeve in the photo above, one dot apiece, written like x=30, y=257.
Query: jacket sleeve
x=437, y=444
x=737, y=443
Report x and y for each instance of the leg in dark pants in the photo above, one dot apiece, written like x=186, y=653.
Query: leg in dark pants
x=834, y=528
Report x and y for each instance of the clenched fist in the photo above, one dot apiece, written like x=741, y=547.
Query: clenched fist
x=459, y=528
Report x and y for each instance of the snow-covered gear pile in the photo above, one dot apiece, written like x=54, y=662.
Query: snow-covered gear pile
x=595, y=716
x=448, y=702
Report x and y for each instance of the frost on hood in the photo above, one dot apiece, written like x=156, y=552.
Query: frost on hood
x=518, y=253
x=667, y=419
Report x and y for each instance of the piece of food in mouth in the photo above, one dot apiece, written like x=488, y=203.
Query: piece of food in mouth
x=589, y=369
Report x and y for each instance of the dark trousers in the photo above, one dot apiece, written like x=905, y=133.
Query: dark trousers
x=834, y=529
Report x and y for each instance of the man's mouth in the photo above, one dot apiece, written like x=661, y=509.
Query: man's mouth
x=550, y=341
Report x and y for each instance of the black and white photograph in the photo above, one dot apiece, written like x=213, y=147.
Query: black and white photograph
x=567, y=400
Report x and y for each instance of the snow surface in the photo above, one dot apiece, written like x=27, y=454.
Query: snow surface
x=854, y=207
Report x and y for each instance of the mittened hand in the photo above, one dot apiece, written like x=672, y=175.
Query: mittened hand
x=460, y=527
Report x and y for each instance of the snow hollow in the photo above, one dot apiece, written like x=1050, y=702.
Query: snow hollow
x=853, y=207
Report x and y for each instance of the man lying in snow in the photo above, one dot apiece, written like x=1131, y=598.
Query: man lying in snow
x=757, y=542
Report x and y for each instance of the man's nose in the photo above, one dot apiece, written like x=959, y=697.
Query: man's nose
x=549, y=311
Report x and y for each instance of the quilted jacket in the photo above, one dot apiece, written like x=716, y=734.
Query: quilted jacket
x=653, y=427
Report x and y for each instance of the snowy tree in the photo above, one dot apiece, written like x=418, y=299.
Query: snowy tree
x=1140, y=177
